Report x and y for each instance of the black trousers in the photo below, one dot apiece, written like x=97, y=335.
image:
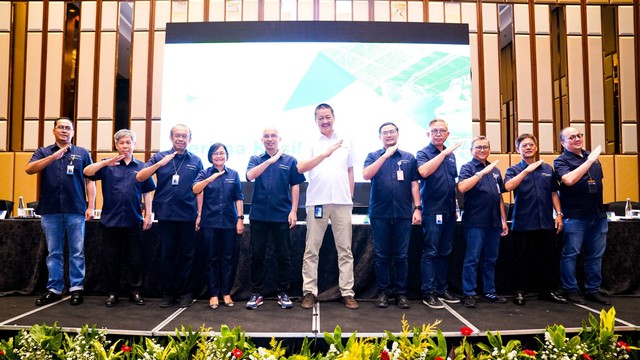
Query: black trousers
x=123, y=247
x=280, y=233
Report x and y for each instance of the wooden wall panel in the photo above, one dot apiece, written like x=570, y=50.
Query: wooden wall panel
x=452, y=13
x=140, y=128
x=105, y=135
x=53, y=82
x=233, y=10
x=629, y=138
x=608, y=183
x=598, y=136
x=141, y=15
x=546, y=137
x=107, y=75
x=35, y=16
x=596, y=79
x=524, y=87
x=475, y=84
x=84, y=129
x=360, y=11
x=216, y=10
x=7, y=163
x=415, y=11
x=544, y=78
x=32, y=76
x=86, y=61
x=469, y=16
x=381, y=11
x=250, y=10
x=436, y=11
x=628, y=87
x=158, y=63
x=4, y=132
x=5, y=51
x=139, y=57
x=110, y=16
x=491, y=77
x=305, y=10
x=626, y=177
x=576, y=79
x=162, y=14
x=272, y=10
x=23, y=184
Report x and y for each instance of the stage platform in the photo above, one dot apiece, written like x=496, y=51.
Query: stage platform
x=269, y=320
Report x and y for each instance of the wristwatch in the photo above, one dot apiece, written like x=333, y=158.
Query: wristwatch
x=417, y=208
x=240, y=217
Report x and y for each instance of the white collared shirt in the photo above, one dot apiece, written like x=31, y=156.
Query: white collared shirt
x=329, y=180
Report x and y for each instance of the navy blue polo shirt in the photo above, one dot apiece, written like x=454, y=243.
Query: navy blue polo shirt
x=532, y=206
x=438, y=190
x=271, y=199
x=220, y=196
x=390, y=198
x=176, y=202
x=62, y=193
x=575, y=200
x=122, y=194
x=482, y=202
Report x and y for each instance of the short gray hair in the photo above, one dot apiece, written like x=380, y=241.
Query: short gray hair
x=124, y=133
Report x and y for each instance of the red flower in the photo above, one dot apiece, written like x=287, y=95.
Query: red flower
x=529, y=352
x=466, y=331
x=1, y=352
x=125, y=348
x=384, y=355
x=438, y=358
x=585, y=356
x=237, y=353
x=624, y=345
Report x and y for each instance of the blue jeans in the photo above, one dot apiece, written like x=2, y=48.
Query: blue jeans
x=222, y=244
x=483, y=244
x=391, y=241
x=438, y=241
x=590, y=234
x=55, y=226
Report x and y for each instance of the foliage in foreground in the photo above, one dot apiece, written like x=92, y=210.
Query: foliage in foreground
x=595, y=341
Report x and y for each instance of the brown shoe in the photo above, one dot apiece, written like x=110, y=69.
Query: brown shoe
x=350, y=302
x=308, y=300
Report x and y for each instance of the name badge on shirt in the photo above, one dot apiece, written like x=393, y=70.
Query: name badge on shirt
x=70, y=169
x=400, y=175
x=439, y=219
x=593, y=189
x=175, y=179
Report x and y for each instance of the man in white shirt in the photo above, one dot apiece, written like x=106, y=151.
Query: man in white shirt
x=329, y=197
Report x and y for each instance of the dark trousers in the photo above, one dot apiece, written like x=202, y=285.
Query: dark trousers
x=222, y=243
x=122, y=246
x=178, y=240
x=535, y=263
x=280, y=233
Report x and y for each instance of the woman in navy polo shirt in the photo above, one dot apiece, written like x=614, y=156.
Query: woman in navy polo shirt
x=220, y=217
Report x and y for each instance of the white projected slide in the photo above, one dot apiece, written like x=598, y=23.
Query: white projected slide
x=230, y=91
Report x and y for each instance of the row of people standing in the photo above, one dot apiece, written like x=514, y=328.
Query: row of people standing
x=330, y=169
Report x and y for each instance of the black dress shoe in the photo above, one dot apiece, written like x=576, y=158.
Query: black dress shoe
x=136, y=298
x=76, y=297
x=553, y=297
x=575, y=298
x=402, y=302
x=519, y=299
x=596, y=297
x=48, y=298
x=112, y=299
x=382, y=301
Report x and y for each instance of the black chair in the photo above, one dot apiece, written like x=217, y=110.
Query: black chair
x=6, y=205
x=618, y=207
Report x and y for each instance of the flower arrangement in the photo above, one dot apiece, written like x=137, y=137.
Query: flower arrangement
x=596, y=340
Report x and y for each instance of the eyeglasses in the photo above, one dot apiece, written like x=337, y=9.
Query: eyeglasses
x=220, y=153
x=389, y=132
x=439, y=131
x=576, y=136
x=270, y=136
x=481, y=147
x=64, y=127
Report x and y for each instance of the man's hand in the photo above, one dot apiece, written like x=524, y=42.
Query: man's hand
x=88, y=214
x=165, y=160
x=293, y=217
x=451, y=148
x=147, y=222
x=114, y=161
x=417, y=217
x=332, y=148
x=558, y=224
x=594, y=154
x=198, y=222
x=505, y=229
x=275, y=157
x=240, y=227
x=390, y=151
x=532, y=167
x=488, y=168
x=60, y=153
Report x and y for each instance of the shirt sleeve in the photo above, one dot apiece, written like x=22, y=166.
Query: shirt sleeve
x=466, y=171
x=148, y=185
x=510, y=174
x=253, y=162
x=415, y=175
x=202, y=174
x=561, y=168
x=295, y=177
x=237, y=188
x=371, y=158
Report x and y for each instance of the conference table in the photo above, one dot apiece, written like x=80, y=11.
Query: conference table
x=23, y=252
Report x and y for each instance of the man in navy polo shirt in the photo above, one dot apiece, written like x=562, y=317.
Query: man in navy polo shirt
x=533, y=229
x=437, y=167
x=175, y=208
x=274, y=209
x=585, y=221
x=64, y=194
x=394, y=205
x=122, y=214
x=484, y=221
